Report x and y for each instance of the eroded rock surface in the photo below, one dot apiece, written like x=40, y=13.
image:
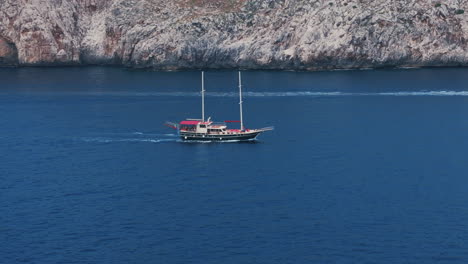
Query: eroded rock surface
x=256, y=34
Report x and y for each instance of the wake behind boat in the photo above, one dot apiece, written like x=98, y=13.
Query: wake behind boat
x=199, y=129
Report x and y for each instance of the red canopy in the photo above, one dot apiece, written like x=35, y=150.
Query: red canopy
x=189, y=122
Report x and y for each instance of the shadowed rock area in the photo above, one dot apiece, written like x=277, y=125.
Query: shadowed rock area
x=8, y=53
x=253, y=34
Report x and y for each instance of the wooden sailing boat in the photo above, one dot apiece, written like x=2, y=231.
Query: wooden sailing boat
x=207, y=130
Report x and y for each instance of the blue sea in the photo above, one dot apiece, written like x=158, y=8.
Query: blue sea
x=363, y=167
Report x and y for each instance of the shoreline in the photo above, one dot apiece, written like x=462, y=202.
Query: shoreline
x=183, y=69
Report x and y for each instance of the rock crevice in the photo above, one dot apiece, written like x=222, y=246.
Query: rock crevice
x=8, y=52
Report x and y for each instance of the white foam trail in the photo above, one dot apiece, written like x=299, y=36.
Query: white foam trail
x=405, y=93
x=111, y=140
x=139, y=134
x=273, y=94
x=427, y=93
x=157, y=135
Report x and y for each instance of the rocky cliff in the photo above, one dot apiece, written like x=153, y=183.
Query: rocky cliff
x=256, y=34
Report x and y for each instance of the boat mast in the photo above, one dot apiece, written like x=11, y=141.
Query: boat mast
x=240, y=102
x=203, y=95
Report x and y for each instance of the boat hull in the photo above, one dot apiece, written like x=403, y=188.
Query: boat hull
x=218, y=137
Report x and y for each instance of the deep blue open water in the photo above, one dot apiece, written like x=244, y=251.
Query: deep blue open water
x=362, y=167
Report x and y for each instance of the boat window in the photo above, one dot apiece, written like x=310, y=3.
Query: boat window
x=202, y=126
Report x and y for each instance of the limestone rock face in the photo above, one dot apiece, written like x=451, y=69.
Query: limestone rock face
x=254, y=34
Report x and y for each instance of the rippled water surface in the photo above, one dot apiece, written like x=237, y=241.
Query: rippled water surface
x=362, y=167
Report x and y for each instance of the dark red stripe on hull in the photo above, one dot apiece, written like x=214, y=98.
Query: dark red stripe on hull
x=218, y=137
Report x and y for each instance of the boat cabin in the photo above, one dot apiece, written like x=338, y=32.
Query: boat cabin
x=198, y=126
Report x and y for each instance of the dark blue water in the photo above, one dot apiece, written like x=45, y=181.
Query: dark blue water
x=362, y=167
